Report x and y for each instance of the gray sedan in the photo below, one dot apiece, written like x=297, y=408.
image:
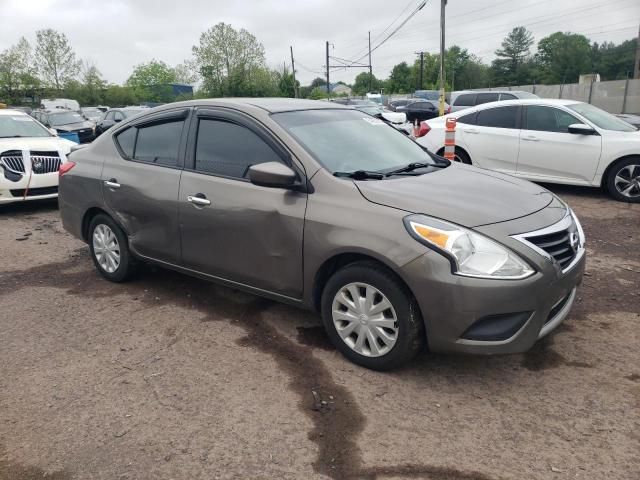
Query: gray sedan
x=316, y=205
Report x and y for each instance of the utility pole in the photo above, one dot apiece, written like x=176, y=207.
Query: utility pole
x=370, y=69
x=443, y=4
x=421, y=69
x=328, y=88
x=636, y=67
x=293, y=71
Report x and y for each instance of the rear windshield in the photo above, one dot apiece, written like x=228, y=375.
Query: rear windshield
x=15, y=126
x=348, y=140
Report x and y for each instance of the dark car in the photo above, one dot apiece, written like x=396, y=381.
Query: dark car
x=321, y=206
x=402, y=102
x=67, y=122
x=422, y=110
x=116, y=115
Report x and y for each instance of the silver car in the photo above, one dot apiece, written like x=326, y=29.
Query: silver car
x=317, y=205
x=470, y=98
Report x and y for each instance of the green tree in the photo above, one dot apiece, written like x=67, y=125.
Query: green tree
x=119, y=96
x=286, y=85
x=318, y=93
x=318, y=82
x=510, y=68
x=186, y=72
x=151, y=80
x=55, y=59
x=361, y=84
x=400, y=80
x=563, y=57
x=614, y=62
x=231, y=62
x=17, y=72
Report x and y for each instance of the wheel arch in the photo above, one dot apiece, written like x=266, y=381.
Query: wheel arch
x=458, y=147
x=605, y=174
x=90, y=214
x=340, y=260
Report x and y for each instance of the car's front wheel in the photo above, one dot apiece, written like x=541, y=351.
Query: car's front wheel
x=371, y=317
x=110, y=249
x=623, y=180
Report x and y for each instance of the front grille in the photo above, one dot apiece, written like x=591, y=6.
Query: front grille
x=41, y=162
x=34, y=192
x=558, y=245
x=45, y=162
x=12, y=161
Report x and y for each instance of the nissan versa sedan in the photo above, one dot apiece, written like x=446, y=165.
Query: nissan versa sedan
x=325, y=207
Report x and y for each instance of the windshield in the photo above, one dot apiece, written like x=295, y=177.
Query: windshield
x=428, y=94
x=601, y=118
x=21, y=126
x=347, y=140
x=65, y=118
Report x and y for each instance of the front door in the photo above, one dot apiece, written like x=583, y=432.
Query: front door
x=231, y=228
x=140, y=185
x=548, y=150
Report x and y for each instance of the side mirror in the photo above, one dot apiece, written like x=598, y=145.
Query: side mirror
x=53, y=131
x=272, y=174
x=581, y=129
x=117, y=120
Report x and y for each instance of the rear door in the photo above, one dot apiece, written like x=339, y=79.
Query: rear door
x=493, y=141
x=231, y=228
x=140, y=184
x=547, y=149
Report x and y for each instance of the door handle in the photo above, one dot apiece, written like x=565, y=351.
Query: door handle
x=112, y=183
x=470, y=130
x=531, y=139
x=199, y=200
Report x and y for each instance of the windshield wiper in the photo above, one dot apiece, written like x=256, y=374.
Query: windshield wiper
x=410, y=168
x=360, y=175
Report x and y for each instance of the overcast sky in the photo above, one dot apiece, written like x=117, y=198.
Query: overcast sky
x=118, y=34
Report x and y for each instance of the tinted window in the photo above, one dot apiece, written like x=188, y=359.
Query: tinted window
x=549, y=119
x=159, y=143
x=465, y=100
x=601, y=118
x=501, y=117
x=486, y=98
x=127, y=141
x=507, y=96
x=469, y=119
x=229, y=149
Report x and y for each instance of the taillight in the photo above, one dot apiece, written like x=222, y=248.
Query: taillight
x=65, y=167
x=423, y=129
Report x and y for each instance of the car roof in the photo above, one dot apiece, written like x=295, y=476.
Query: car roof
x=10, y=111
x=270, y=105
x=519, y=101
x=490, y=91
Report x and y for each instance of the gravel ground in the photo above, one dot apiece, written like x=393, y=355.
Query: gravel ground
x=168, y=377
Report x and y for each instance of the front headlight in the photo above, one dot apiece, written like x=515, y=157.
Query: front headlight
x=471, y=254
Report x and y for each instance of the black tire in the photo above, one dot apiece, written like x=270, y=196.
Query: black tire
x=410, y=337
x=610, y=180
x=460, y=156
x=127, y=264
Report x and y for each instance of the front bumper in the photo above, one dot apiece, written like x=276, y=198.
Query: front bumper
x=41, y=187
x=453, y=305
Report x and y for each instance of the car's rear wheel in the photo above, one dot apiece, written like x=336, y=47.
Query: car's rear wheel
x=110, y=249
x=623, y=180
x=371, y=317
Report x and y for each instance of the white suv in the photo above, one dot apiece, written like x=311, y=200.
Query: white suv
x=30, y=157
x=556, y=141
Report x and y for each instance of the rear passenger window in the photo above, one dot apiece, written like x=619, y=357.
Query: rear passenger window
x=465, y=100
x=228, y=149
x=501, y=117
x=469, y=119
x=486, y=98
x=159, y=143
x=127, y=141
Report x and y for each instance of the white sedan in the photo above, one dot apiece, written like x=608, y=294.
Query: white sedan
x=555, y=141
x=30, y=157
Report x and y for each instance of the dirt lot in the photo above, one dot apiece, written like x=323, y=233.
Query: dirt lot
x=168, y=377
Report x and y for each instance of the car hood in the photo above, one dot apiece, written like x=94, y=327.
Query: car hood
x=462, y=194
x=394, y=117
x=36, y=143
x=72, y=127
